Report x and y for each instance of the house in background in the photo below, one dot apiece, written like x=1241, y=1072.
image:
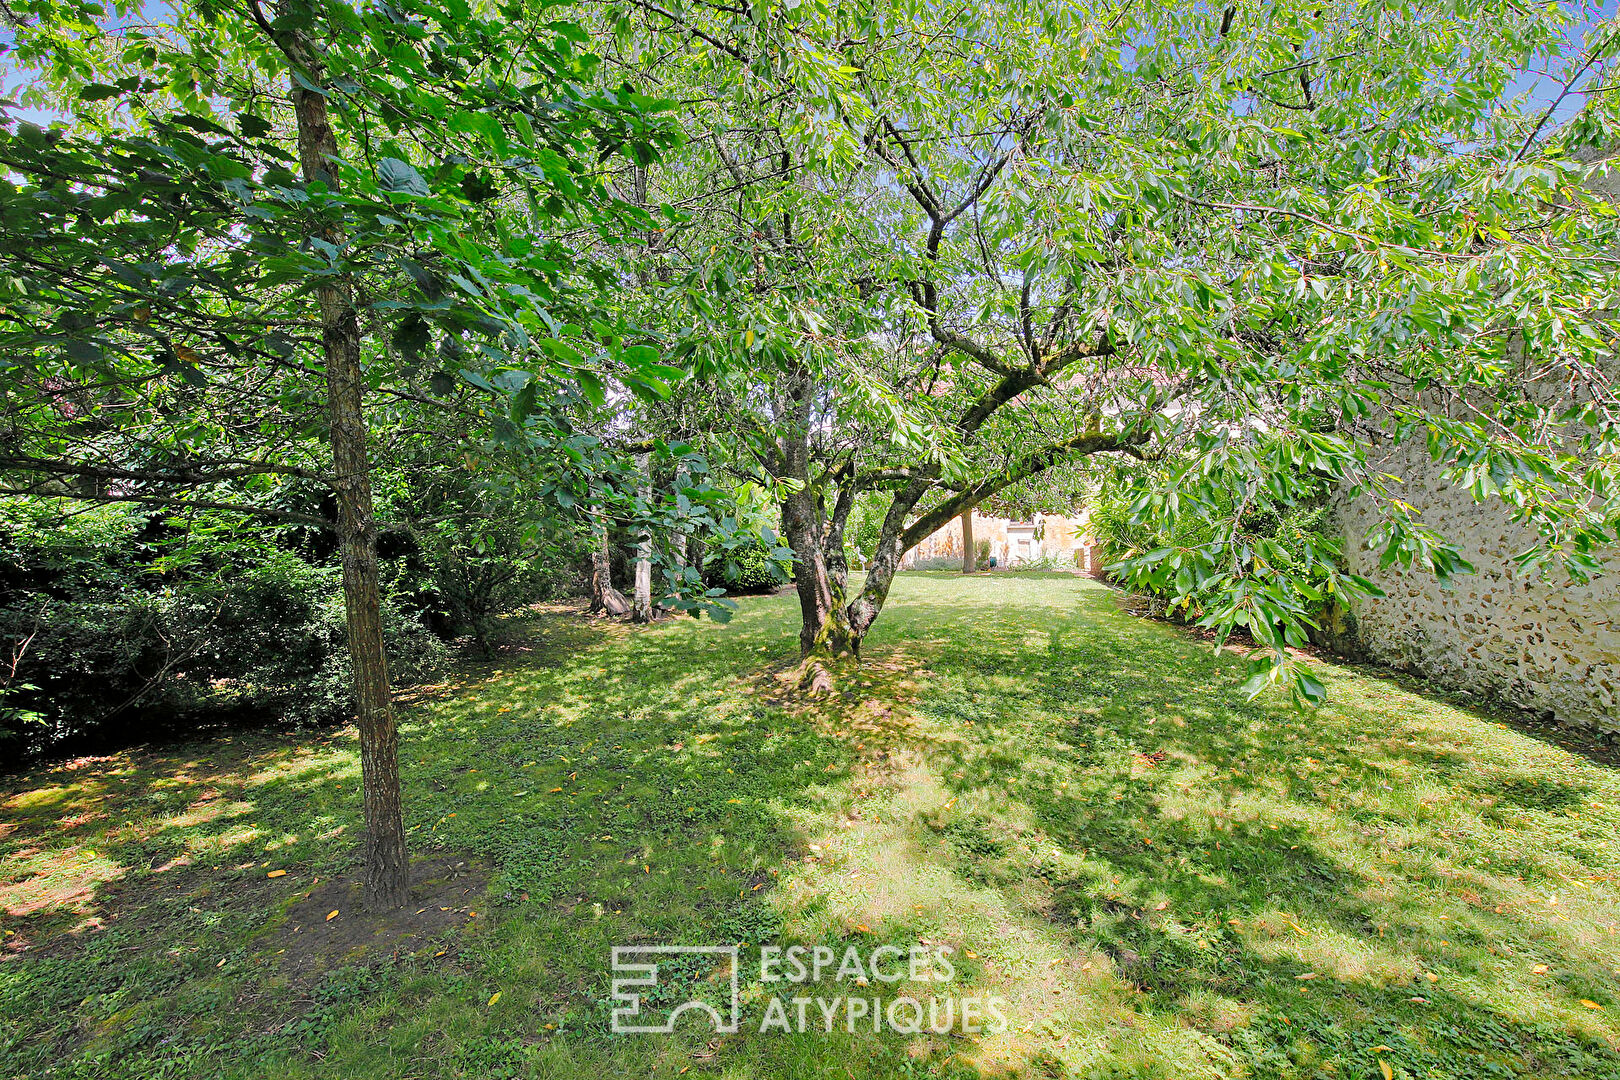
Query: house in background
x=1048, y=536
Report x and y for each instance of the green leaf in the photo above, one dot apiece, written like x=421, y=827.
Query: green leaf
x=413, y=336
x=399, y=177
x=591, y=387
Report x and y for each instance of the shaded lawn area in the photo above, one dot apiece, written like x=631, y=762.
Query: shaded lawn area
x=1156, y=878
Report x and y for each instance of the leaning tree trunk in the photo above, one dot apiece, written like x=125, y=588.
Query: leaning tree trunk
x=387, y=870
x=862, y=610
x=832, y=543
x=643, y=609
x=970, y=561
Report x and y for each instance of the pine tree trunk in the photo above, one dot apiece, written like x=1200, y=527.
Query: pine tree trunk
x=387, y=869
x=970, y=560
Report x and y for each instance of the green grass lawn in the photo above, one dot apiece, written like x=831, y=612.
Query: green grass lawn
x=1154, y=877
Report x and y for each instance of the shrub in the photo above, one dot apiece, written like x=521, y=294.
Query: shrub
x=1045, y=562
x=121, y=633
x=475, y=569
x=942, y=562
x=746, y=568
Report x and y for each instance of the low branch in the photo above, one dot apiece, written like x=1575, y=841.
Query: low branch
x=196, y=475
x=873, y=477
x=177, y=502
x=1026, y=467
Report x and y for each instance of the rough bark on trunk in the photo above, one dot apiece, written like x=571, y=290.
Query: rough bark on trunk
x=387, y=869
x=833, y=543
x=677, y=543
x=605, y=599
x=822, y=629
x=970, y=560
x=643, y=608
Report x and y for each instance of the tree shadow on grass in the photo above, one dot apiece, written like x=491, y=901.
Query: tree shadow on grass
x=1238, y=859
x=620, y=786
x=649, y=786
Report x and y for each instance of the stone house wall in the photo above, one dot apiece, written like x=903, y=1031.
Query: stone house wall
x=1055, y=535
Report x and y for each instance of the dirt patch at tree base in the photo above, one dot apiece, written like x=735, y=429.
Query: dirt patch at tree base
x=328, y=925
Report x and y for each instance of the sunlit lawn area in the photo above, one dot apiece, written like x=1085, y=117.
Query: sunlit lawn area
x=1157, y=878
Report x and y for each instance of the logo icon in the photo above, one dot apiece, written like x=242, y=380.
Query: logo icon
x=641, y=995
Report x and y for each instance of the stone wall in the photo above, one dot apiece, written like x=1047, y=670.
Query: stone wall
x=1548, y=646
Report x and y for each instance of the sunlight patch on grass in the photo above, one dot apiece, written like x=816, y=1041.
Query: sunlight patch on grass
x=58, y=881
x=1139, y=861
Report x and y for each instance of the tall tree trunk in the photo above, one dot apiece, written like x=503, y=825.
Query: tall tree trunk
x=822, y=632
x=677, y=543
x=970, y=559
x=821, y=624
x=643, y=608
x=387, y=869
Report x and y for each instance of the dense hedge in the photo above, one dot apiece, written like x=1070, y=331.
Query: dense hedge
x=117, y=630
x=747, y=568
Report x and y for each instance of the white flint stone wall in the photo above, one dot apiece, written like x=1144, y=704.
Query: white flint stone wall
x=1549, y=646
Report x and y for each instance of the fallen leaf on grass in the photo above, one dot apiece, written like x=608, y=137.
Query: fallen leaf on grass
x=332, y=916
x=1383, y=1067
x=1590, y=1004
x=276, y=873
x=493, y=998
